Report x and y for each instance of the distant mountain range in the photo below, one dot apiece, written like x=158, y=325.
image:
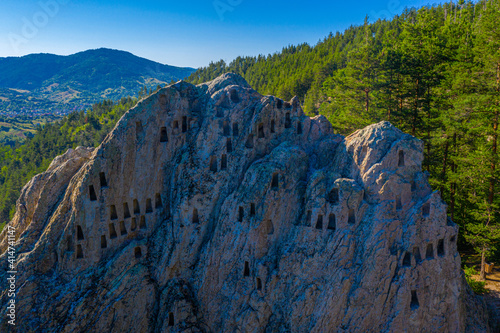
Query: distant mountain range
x=53, y=83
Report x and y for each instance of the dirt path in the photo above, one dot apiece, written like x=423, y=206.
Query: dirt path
x=493, y=296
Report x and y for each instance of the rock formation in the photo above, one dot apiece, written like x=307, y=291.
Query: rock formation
x=212, y=208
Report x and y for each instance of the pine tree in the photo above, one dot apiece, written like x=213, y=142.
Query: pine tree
x=483, y=231
x=353, y=89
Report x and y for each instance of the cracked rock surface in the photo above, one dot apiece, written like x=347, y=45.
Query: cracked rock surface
x=212, y=208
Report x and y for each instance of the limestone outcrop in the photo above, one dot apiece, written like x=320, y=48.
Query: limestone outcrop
x=41, y=195
x=212, y=208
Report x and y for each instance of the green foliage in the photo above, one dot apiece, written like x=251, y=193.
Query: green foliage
x=433, y=72
x=353, y=87
x=477, y=286
x=20, y=163
x=482, y=237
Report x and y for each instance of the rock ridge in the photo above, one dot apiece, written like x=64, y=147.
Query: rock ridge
x=212, y=208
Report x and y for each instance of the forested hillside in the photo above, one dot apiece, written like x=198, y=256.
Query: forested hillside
x=434, y=72
x=49, y=83
x=19, y=164
x=18, y=129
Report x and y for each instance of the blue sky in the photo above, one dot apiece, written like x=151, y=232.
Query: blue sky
x=180, y=33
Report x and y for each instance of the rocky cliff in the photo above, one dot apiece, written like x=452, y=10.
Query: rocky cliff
x=212, y=208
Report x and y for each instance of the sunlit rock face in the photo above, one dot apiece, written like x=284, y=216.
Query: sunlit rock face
x=212, y=208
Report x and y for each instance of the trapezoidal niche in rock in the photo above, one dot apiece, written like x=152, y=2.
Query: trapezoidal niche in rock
x=215, y=208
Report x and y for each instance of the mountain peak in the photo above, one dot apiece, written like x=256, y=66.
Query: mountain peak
x=82, y=78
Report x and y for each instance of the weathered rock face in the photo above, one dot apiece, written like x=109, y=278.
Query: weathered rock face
x=213, y=208
x=41, y=195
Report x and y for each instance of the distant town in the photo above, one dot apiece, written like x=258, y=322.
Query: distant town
x=37, y=113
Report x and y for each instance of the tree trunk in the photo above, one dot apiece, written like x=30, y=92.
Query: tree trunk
x=415, y=112
x=491, y=194
x=428, y=143
x=367, y=103
x=453, y=189
x=482, y=274
x=453, y=185
x=390, y=98
x=445, y=162
x=400, y=105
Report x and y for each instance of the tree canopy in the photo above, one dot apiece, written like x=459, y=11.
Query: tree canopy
x=85, y=128
x=434, y=72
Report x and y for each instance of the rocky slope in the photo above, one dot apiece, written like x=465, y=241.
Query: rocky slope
x=212, y=208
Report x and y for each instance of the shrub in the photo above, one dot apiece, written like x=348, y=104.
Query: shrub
x=477, y=286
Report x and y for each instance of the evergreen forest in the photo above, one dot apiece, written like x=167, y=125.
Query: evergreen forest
x=433, y=72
